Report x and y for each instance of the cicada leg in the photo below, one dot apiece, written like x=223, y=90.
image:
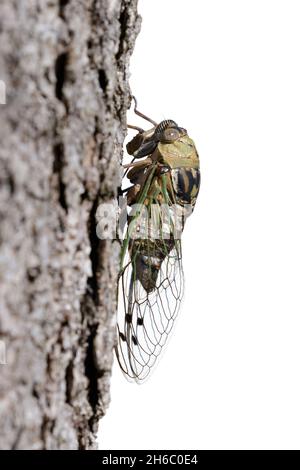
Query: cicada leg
x=142, y=115
x=136, y=128
x=140, y=163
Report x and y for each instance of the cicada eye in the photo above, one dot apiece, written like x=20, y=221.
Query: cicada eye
x=170, y=134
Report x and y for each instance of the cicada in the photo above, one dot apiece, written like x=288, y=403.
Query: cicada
x=165, y=181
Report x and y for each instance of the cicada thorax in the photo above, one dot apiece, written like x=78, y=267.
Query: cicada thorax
x=182, y=158
x=175, y=183
x=186, y=184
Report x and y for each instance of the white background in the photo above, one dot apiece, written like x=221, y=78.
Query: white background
x=229, y=72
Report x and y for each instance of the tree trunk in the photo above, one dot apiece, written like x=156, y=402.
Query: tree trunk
x=65, y=67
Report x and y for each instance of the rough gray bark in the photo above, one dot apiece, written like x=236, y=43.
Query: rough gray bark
x=65, y=65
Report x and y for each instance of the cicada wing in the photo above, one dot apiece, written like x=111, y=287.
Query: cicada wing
x=151, y=279
x=145, y=319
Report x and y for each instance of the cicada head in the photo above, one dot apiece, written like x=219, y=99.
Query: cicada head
x=168, y=131
x=145, y=142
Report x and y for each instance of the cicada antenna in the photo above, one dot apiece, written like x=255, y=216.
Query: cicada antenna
x=141, y=114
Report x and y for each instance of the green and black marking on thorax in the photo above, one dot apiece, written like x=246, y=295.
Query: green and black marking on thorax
x=170, y=148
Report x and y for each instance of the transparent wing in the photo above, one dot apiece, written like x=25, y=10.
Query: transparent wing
x=151, y=281
x=145, y=319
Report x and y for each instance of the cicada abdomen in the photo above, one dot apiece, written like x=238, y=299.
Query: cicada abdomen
x=165, y=183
